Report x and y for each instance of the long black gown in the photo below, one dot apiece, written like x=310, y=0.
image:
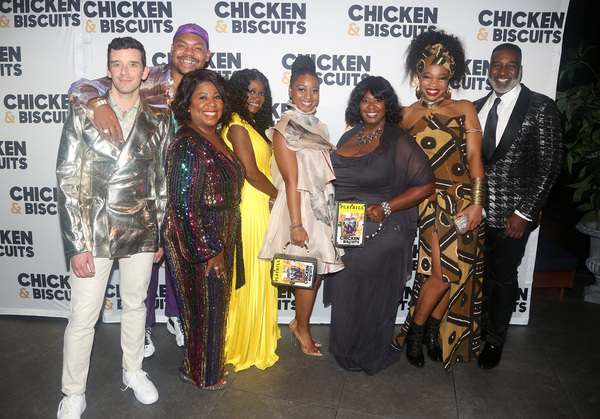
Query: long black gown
x=365, y=295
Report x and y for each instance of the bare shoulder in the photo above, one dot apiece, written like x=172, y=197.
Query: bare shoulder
x=236, y=129
x=410, y=115
x=465, y=106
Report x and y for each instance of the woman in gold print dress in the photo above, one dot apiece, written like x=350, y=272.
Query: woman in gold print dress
x=446, y=296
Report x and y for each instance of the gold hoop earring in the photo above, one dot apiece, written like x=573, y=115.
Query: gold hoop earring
x=448, y=93
x=418, y=92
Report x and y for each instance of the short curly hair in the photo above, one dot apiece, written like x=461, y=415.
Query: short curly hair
x=238, y=97
x=432, y=37
x=511, y=47
x=126, y=42
x=380, y=88
x=187, y=87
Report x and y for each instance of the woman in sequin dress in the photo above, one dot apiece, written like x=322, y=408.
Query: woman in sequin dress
x=252, y=329
x=202, y=230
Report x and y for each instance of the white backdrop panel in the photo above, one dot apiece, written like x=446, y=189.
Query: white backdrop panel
x=45, y=46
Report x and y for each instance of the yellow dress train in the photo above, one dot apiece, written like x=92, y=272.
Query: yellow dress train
x=252, y=329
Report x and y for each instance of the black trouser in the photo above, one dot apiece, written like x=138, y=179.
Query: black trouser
x=500, y=282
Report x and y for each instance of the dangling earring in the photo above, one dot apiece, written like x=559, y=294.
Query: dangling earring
x=448, y=93
x=418, y=92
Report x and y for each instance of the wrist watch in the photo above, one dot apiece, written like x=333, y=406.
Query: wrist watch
x=98, y=102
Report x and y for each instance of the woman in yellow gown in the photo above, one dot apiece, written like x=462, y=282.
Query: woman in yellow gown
x=252, y=329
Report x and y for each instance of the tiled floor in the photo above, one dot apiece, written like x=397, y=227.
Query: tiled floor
x=550, y=369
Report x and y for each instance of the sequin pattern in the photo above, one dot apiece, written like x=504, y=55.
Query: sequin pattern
x=203, y=219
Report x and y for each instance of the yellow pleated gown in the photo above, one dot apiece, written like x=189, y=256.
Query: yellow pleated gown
x=252, y=329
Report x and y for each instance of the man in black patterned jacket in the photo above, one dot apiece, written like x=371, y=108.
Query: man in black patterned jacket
x=522, y=152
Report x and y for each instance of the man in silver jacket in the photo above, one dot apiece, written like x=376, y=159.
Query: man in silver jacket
x=189, y=51
x=111, y=201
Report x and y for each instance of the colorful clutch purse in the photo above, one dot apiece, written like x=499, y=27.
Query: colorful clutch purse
x=294, y=271
x=350, y=223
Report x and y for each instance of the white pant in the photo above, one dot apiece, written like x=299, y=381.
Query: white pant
x=87, y=298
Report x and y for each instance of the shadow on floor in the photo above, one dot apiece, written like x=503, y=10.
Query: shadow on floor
x=549, y=369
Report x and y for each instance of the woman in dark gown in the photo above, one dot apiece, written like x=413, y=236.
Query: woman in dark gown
x=380, y=164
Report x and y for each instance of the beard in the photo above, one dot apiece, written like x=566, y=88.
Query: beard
x=511, y=84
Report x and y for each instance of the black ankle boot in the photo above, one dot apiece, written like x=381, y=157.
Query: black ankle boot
x=432, y=332
x=414, y=346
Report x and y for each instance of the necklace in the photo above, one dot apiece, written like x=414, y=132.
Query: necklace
x=430, y=105
x=361, y=139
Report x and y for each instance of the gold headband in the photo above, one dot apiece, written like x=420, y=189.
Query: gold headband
x=436, y=54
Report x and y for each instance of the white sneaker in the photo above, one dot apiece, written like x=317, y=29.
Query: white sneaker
x=71, y=407
x=141, y=385
x=174, y=327
x=149, y=348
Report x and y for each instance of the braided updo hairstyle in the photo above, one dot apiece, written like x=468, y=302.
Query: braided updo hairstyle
x=451, y=43
x=302, y=65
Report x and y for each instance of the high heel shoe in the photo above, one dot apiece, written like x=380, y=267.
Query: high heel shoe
x=396, y=345
x=307, y=350
x=414, y=346
x=432, y=333
x=293, y=325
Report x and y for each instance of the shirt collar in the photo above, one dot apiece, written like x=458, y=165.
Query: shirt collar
x=118, y=111
x=508, y=98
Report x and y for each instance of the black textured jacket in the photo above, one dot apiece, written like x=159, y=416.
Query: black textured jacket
x=526, y=161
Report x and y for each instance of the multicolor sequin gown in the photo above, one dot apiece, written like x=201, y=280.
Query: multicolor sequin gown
x=202, y=220
x=443, y=139
x=252, y=329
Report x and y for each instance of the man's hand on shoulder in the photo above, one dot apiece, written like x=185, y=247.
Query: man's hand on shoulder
x=82, y=265
x=106, y=121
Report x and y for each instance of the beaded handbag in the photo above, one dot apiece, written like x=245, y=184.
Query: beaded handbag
x=294, y=271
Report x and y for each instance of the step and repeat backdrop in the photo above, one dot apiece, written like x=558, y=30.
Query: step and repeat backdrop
x=45, y=45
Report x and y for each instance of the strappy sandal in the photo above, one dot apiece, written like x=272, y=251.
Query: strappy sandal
x=216, y=387
x=294, y=324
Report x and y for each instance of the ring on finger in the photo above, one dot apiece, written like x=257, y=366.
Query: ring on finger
x=105, y=130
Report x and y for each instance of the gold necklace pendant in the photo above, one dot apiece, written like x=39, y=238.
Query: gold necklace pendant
x=430, y=105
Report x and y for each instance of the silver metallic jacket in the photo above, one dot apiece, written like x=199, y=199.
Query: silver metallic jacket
x=111, y=200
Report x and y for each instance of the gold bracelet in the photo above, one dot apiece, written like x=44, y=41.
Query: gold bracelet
x=477, y=191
